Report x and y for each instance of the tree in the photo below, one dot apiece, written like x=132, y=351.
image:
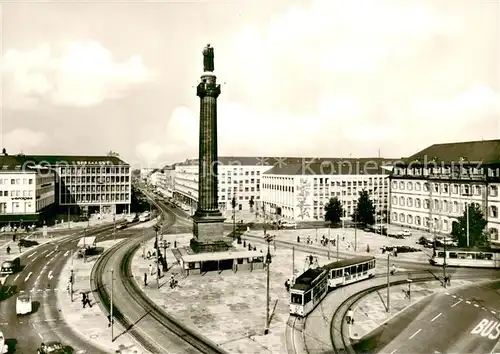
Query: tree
x=251, y=203
x=477, y=223
x=365, y=210
x=333, y=211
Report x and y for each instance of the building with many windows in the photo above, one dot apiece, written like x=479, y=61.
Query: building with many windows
x=239, y=178
x=25, y=193
x=300, y=191
x=431, y=188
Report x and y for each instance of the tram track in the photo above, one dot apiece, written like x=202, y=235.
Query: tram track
x=339, y=332
x=163, y=333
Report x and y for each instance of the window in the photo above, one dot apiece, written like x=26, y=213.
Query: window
x=401, y=217
x=493, y=211
x=30, y=181
x=12, y=181
x=477, y=190
x=455, y=189
x=409, y=186
x=402, y=201
x=426, y=203
x=394, y=185
x=418, y=186
x=436, y=187
x=426, y=187
x=426, y=222
x=445, y=206
x=493, y=191
x=401, y=185
x=418, y=220
x=409, y=202
x=455, y=207
x=395, y=216
x=445, y=188
x=395, y=200
x=436, y=204
x=494, y=234
x=418, y=203
x=410, y=219
x=445, y=225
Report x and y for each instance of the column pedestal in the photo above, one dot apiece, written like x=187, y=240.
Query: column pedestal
x=208, y=231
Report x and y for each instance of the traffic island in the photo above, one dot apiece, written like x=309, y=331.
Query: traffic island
x=90, y=323
x=226, y=306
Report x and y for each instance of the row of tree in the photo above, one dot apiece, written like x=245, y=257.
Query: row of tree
x=364, y=214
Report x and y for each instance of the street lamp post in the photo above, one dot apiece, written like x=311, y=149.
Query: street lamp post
x=268, y=262
x=338, y=241
x=69, y=222
x=233, y=204
x=84, y=246
x=111, y=307
x=409, y=286
x=114, y=227
x=388, y=281
x=71, y=281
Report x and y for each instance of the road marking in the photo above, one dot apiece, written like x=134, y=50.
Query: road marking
x=437, y=316
x=395, y=350
x=476, y=305
x=43, y=252
x=493, y=312
x=50, y=275
x=456, y=303
x=31, y=255
x=454, y=296
x=414, y=334
x=447, y=293
x=48, y=255
x=467, y=302
x=29, y=275
x=17, y=276
x=66, y=254
x=40, y=336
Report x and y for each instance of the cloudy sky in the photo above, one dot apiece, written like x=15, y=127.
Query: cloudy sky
x=299, y=78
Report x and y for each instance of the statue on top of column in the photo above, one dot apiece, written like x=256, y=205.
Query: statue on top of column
x=208, y=58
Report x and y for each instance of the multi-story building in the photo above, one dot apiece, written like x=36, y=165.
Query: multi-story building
x=301, y=191
x=431, y=188
x=165, y=182
x=238, y=177
x=25, y=193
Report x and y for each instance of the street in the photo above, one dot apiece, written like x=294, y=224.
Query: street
x=42, y=278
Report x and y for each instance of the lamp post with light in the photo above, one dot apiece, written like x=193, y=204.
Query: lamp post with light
x=268, y=239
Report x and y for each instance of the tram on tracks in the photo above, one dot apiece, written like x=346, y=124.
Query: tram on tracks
x=466, y=257
x=312, y=285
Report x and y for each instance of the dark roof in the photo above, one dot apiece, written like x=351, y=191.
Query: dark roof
x=474, y=249
x=306, y=279
x=21, y=162
x=331, y=167
x=283, y=161
x=482, y=151
x=348, y=262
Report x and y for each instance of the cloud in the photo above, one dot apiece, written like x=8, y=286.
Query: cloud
x=84, y=74
x=335, y=78
x=19, y=140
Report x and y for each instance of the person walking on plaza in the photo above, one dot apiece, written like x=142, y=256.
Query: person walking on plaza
x=8, y=250
x=150, y=269
x=350, y=316
x=145, y=279
x=287, y=285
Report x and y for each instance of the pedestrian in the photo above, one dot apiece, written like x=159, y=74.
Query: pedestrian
x=449, y=280
x=150, y=269
x=145, y=279
x=393, y=270
x=87, y=301
x=350, y=316
x=8, y=250
x=287, y=285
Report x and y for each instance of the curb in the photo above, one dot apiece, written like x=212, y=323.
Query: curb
x=102, y=347
x=387, y=320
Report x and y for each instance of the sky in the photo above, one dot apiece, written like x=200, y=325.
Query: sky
x=320, y=78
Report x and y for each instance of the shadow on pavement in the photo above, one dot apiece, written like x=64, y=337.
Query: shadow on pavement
x=120, y=316
x=35, y=305
x=11, y=343
x=379, y=338
x=7, y=291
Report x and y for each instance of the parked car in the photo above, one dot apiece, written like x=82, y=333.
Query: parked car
x=23, y=304
x=288, y=224
x=404, y=232
x=54, y=348
x=10, y=267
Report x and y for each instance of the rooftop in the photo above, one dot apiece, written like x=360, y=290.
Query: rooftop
x=218, y=256
x=21, y=162
x=331, y=167
x=482, y=151
x=305, y=280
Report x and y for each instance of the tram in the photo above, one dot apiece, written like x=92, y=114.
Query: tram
x=312, y=286
x=308, y=291
x=466, y=257
x=349, y=271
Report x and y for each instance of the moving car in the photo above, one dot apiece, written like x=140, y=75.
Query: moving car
x=131, y=218
x=23, y=304
x=3, y=347
x=10, y=267
x=53, y=348
x=145, y=216
x=27, y=243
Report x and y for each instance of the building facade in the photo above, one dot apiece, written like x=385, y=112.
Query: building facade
x=24, y=192
x=300, y=192
x=432, y=188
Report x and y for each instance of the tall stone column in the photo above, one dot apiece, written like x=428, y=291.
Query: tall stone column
x=208, y=227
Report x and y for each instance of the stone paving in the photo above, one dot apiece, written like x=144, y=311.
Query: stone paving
x=90, y=323
x=229, y=308
x=364, y=240
x=370, y=312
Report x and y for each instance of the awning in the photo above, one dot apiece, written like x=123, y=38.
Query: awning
x=4, y=218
